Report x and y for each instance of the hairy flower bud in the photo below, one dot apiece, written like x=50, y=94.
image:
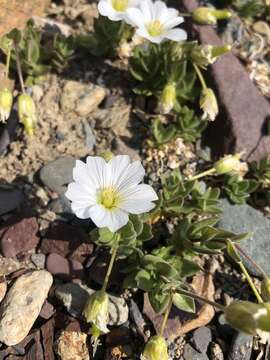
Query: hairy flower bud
x=204, y=55
x=248, y=317
x=168, y=98
x=96, y=310
x=156, y=349
x=227, y=164
x=208, y=16
x=27, y=113
x=209, y=105
x=6, y=100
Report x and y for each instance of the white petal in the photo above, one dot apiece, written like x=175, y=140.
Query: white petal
x=147, y=9
x=133, y=175
x=176, y=35
x=117, y=167
x=144, y=34
x=105, y=8
x=76, y=192
x=172, y=13
x=171, y=23
x=97, y=170
x=138, y=199
x=137, y=206
x=135, y=17
x=81, y=211
x=81, y=175
x=160, y=11
x=112, y=219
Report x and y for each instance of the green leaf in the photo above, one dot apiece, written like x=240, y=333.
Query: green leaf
x=232, y=252
x=184, y=303
x=159, y=301
x=144, y=280
x=146, y=233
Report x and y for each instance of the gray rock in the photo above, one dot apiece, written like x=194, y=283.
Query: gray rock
x=58, y=173
x=38, y=260
x=244, y=218
x=241, y=347
x=22, y=305
x=201, y=339
x=10, y=200
x=192, y=354
x=61, y=206
x=74, y=297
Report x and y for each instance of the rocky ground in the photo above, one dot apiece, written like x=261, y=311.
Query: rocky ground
x=48, y=266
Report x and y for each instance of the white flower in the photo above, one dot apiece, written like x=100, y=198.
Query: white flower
x=116, y=10
x=107, y=192
x=156, y=22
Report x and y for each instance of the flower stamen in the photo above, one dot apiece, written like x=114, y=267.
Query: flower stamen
x=120, y=5
x=108, y=197
x=155, y=28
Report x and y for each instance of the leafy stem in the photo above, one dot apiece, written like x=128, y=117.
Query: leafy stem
x=8, y=61
x=113, y=257
x=200, y=75
x=166, y=316
x=19, y=67
x=204, y=173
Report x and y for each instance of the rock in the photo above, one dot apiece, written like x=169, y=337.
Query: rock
x=72, y=345
x=47, y=310
x=38, y=260
x=201, y=339
x=22, y=305
x=7, y=135
x=244, y=218
x=10, y=200
x=63, y=268
x=8, y=265
x=116, y=117
x=192, y=354
x=81, y=98
x=216, y=352
x=67, y=241
x=120, y=147
x=241, y=348
x=58, y=173
x=74, y=297
x=20, y=237
x=90, y=140
x=3, y=290
x=243, y=106
x=61, y=206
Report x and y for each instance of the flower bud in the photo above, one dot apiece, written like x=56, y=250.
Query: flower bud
x=204, y=55
x=6, y=100
x=208, y=16
x=96, y=310
x=168, y=98
x=227, y=164
x=156, y=349
x=209, y=105
x=265, y=289
x=248, y=317
x=27, y=113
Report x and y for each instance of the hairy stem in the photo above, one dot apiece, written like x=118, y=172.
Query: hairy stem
x=200, y=76
x=257, y=266
x=204, y=173
x=19, y=67
x=166, y=316
x=109, y=270
x=200, y=299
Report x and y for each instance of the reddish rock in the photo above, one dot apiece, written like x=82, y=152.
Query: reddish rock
x=47, y=332
x=19, y=237
x=47, y=310
x=67, y=241
x=64, y=268
x=244, y=111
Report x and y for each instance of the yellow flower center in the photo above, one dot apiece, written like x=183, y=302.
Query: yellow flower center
x=109, y=198
x=120, y=5
x=155, y=28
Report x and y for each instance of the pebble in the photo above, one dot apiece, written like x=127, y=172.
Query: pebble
x=22, y=305
x=244, y=218
x=10, y=200
x=192, y=354
x=241, y=348
x=74, y=297
x=201, y=339
x=8, y=265
x=39, y=260
x=64, y=268
x=71, y=345
x=61, y=206
x=20, y=237
x=58, y=173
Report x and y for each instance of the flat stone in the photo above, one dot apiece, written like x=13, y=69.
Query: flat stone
x=10, y=200
x=38, y=260
x=57, y=174
x=192, y=354
x=201, y=339
x=72, y=345
x=47, y=310
x=64, y=268
x=241, y=348
x=19, y=237
x=74, y=297
x=244, y=218
x=241, y=124
x=68, y=241
x=22, y=305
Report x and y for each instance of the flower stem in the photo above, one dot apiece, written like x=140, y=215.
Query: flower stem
x=109, y=270
x=19, y=67
x=166, y=316
x=204, y=173
x=201, y=299
x=251, y=284
x=8, y=61
x=200, y=76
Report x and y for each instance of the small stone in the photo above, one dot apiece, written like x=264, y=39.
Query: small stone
x=67, y=241
x=241, y=348
x=192, y=354
x=47, y=310
x=72, y=345
x=244, y=218
x=63, y=268
x=38, y=260
x=61, y=206
x=74, y=297
x=20, y=237
x=58, y=173
x=90, y=101
x=216, y=352
x=3, y=290
x=10, y=200
x=8, y=265
x=22, y=305
x=201, y=339
x=90, y=140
